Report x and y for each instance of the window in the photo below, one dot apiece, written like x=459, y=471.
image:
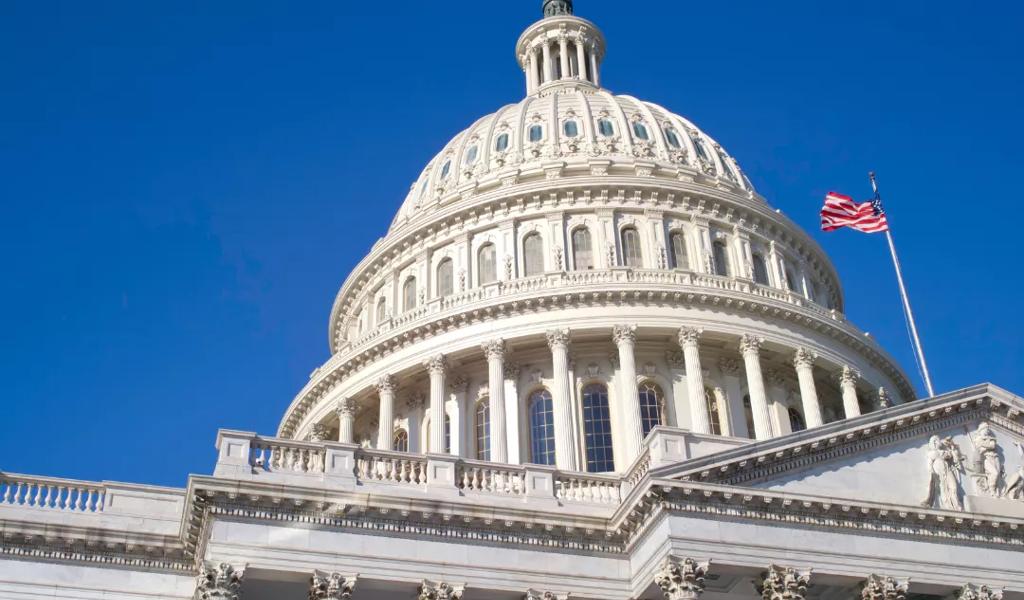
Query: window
x=677, y=246
x=400, y=441
x=536, y=133
x=582, y=255
x=640, y=130
x=605, y=127
x=721, y=258
x=760, y=270
x=382, y=310
x=796, y=420
x=571, y=129
x=673, y=138
x=748, y=412
x=542, y=428
x=597, y=429
x=445, y=169
x=471, y=154
x=486, y=269
x=726, y=168
x=423, y=188
x=409, y=294
x=501, y=143
x=790, y=279
x=533, y=254
x=714, y=416
x=698, y=144
x=445, y=278
x=483, y=430
x=631, y=254
x=651, y=400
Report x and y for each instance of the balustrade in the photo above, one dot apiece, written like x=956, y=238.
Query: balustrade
x=279, y=456
x=490, y=477
x=52, y=494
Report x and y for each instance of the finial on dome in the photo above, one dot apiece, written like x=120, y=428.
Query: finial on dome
x=553, y=8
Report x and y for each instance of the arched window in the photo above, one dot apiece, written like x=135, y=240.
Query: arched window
x=542, y=428
x=571, y=129
x=726, y=167
x=483, y=430
x=533, y=254
x=400, y=442
x=501, y=143
x=748, y=413
x=597, y=429
x=791, y=279
x=640, y=130
x=713, y=415
x=721, y=258
x=631, y=254
x=605, y=127
x=445, y=169
x=673, y=138
x=651, y=400
x=760, y=270
x=486, y=269
x=677, y=245
x=409, y=294
x=796, y=420
x=445, y=278
x=382, y=309
x=536, y=133
x=702, y=151
x=471, y=154
x=582, y=254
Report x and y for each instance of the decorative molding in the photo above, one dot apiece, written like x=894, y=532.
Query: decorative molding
x=218, y=581
x=978, y=592
x=436, y=365
x=730, y=367
x=804, y=358
x=689, y=336
x=387, y=383
x=494, y=349
x=750, y=345
x=439, y=590
x=681, y=579
x=332, y=586
x=345, y=407
x=624, y=334
x=876, y=587
x=784, y=583
x=558, y=338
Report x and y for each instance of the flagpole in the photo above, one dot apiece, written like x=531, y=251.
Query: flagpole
x=906, y=302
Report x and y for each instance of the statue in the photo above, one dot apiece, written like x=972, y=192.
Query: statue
x=987, y=470
x=945, y=463
x=1015, y=485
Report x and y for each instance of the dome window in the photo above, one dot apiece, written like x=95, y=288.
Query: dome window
x=721, y=258
x=471, y=154
x=673, y=138
x=501, y=143
x=571, y=129
x=597, y=428
x=536, y=133
x=631, y=255
x=760, y=270
x=445, y=169
x=605, y=128
x=640, y=131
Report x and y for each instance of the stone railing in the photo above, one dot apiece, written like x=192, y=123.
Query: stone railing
x=46, y=493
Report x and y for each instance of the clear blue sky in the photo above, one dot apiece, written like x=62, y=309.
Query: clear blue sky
x=185, y=185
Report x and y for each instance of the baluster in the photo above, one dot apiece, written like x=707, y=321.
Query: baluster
x=64, y=497
x=19, y=497
x=7, y=492
x=36, y=499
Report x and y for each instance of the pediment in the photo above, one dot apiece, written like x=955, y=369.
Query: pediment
x=962, y=452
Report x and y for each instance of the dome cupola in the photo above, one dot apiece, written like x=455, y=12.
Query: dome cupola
x=560, y=49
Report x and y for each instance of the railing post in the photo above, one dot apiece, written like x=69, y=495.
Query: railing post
x=234, y=451
x=340, y=464
x=540, y=484
x=441, y=470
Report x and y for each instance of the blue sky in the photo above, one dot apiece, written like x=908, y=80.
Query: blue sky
x=185, y=185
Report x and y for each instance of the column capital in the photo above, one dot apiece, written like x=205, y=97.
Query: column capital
x=876, y=587
x=436, y=364
x=459, y=383
x=675, y=360
x=558, y=338
x=494, y=349
x=318, y=432
x=784, y=583
x=439, y=590
x=750, y=345
x=624, y=334
x=681, y=579
x=512, y=371
x=848, y=376
x=532, y=594
x=729, y=366
x=979, y=592
x=689, y=336
x=387, y=383
x=331, y=586
x=345, y=407
x=218, y=581
x=804, y=358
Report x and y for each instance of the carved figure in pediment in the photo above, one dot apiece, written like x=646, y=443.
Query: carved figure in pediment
x=1015, y=484
x=945, y=464
x=987, y=470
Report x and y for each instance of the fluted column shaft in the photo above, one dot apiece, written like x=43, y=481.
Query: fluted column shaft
x=595, y=73
x=581, y=61
x=803, y=361
x=750, y=348
x=848, y=385
x=386, y=417
x=625, y=340
x=346, y=409
x=531, y=72
x=546, y=54
x=565, y=444
x=436, y=367
x=700, y=420
x=563, y=56
x=495, y=352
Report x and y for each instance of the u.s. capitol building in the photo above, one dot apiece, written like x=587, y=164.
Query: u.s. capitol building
x=587, y=360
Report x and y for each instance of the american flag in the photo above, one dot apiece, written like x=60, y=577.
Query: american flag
x=842, y=211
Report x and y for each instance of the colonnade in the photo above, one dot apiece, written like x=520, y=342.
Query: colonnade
x=567, y=56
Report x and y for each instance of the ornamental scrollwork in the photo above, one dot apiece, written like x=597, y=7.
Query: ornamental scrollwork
x=218, y=581
x=979, y=592
x=689, y=336
x=876, y=587
x=439, y=591
x=784, y=583
x=333, y=586
x=681, y=579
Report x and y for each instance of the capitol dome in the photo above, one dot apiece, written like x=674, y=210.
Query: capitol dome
x=575, y=269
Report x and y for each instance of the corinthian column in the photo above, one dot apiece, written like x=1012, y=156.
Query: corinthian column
x=681, y=579
x=333, y=586
x=700, y=420
x=346, y=409
x=546, y=55
x=625, y=340
x=803, y=361
x=565, y=440
x=218, y=581
x=494, y=350
x=581, y=60
x=386, y=419
x=750, y=348
x=784, y=583
x=563, y=55
x=884, y=588
x=436, y=367
x=848, y=385
x=979, y=592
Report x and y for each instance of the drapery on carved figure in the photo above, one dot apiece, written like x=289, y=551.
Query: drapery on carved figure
x=987, y=470
x=1015, y=484
x=945, y=463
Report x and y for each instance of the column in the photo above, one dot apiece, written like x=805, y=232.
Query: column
x=734, y=421
x=681, y=579
x=581, y=60
x=848, y=385
x=219, y=580
x=346, y=409
x=565, y=439
x=595, y=73
x=784, y=583
x=722, y=404
x=386, y=386
x=625, y=341
x=414, y=412
x=531, y=70
x=750, y=348
x=331, y=586
x=546, y=50
x=494, y=350
x=512, y=413
x=700, y=421
x=803, y=360
x=457, y=413
x=877, y=587
x=436, y=367
x=978, y=592
x=778, y=405
x=680, y=394
x=563, y=55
